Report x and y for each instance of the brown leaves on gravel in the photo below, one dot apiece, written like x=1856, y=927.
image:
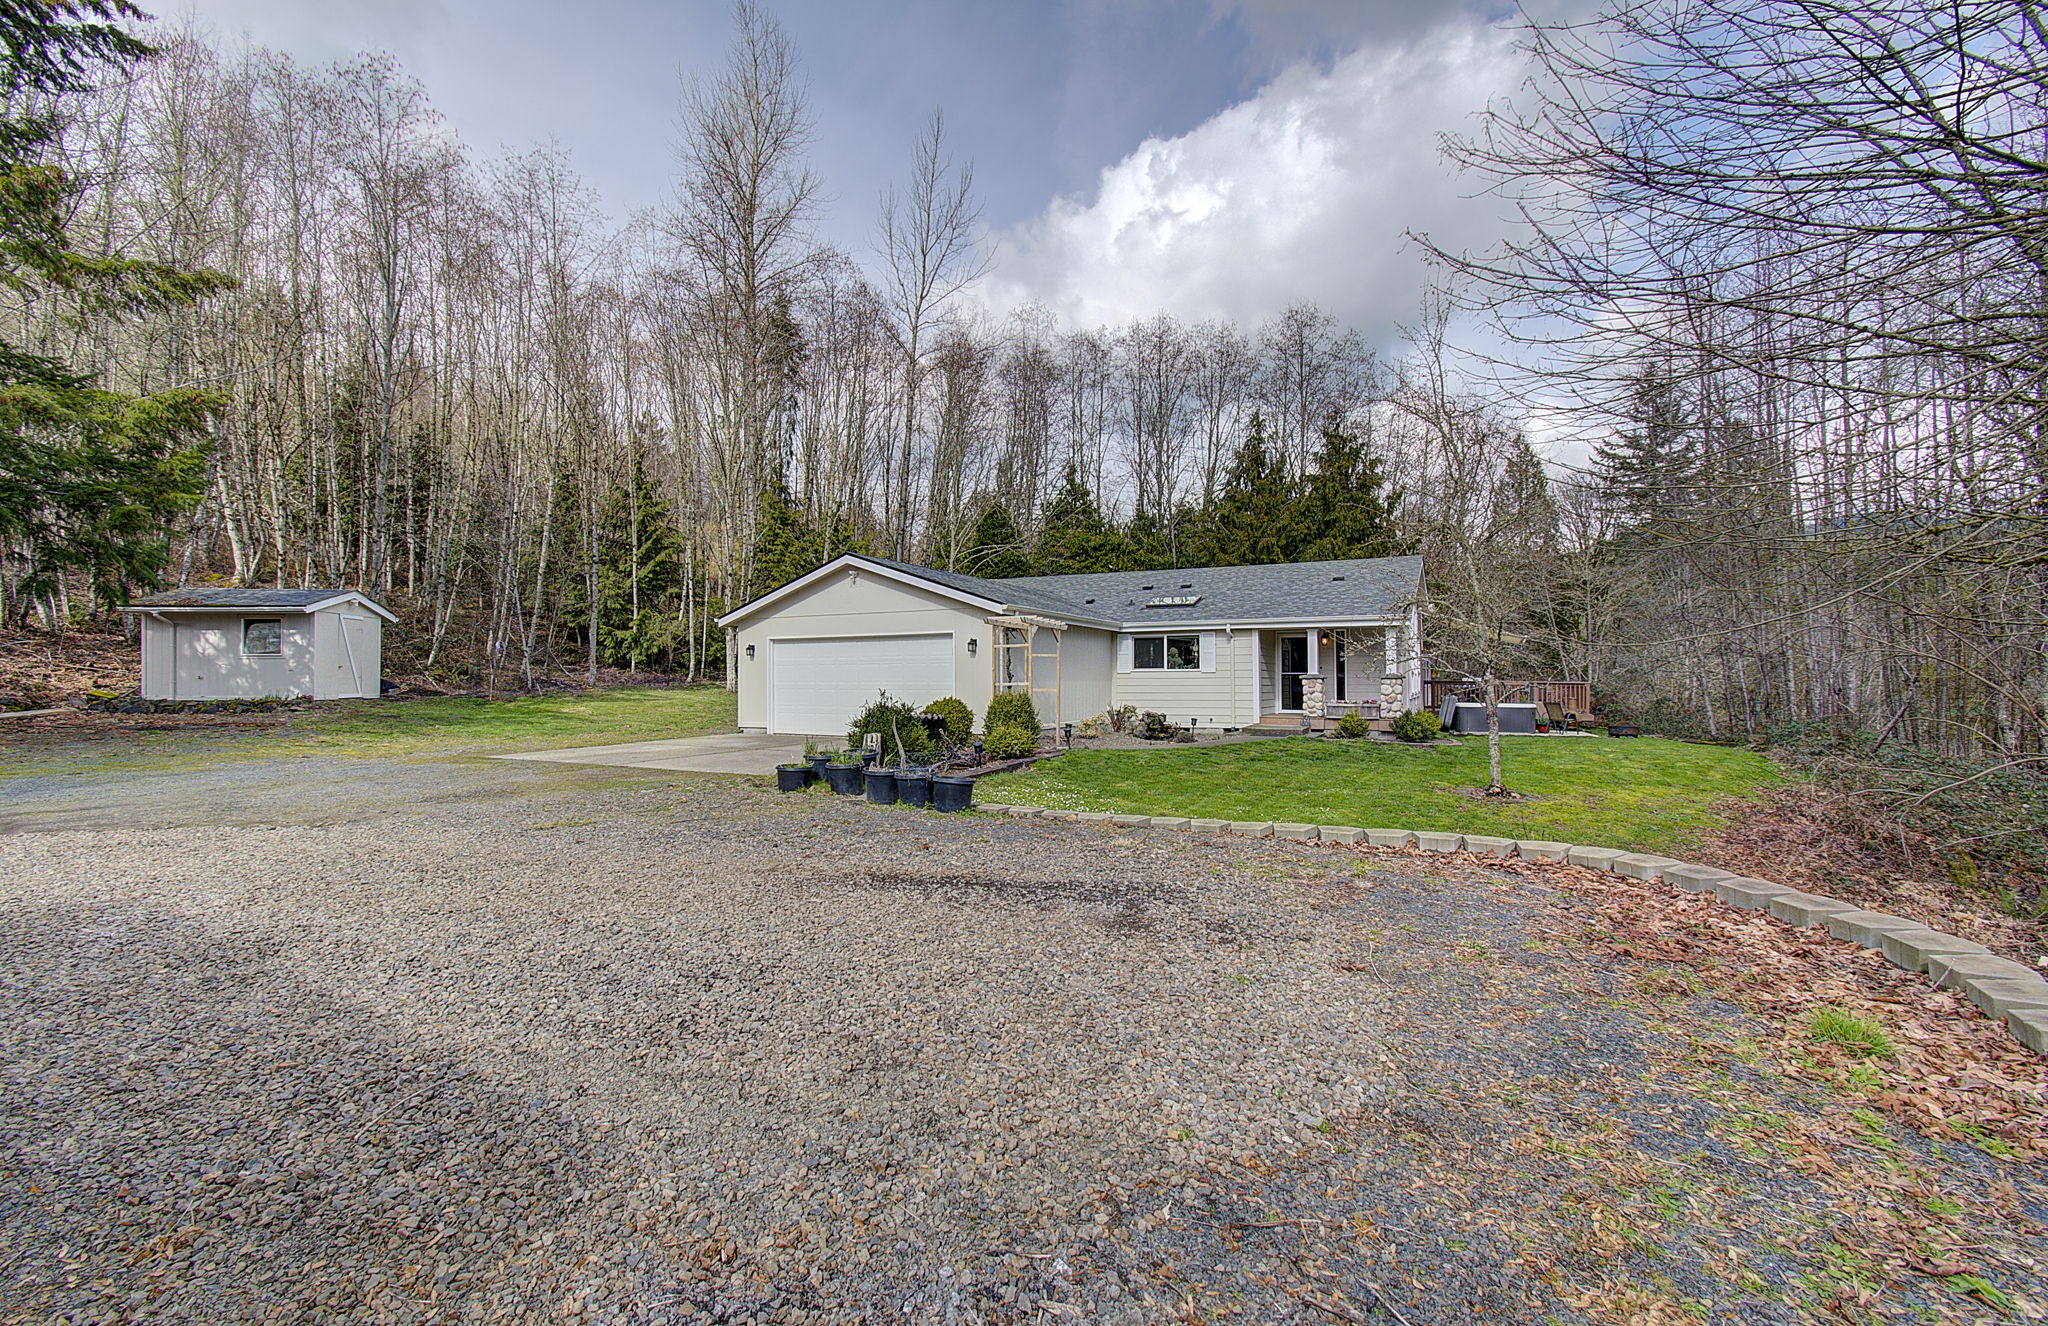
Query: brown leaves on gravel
x=1955, y=1074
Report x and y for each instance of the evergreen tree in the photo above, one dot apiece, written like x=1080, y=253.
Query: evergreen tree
x=1073, y=535
x=1651, y=470
x=1251, y=520
x=640, y=577
x=1345, y=508
x=995, y=546
x=90, y=479
x=789, y=544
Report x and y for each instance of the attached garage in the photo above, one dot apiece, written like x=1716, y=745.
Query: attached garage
x=816, y=685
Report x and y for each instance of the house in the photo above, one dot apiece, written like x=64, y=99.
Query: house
x=1221, y=646
x=237, y=644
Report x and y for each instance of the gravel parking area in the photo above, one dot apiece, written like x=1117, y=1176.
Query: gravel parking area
x=338, y=1040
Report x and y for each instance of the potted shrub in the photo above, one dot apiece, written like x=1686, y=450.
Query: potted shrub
x=843, y=775
x=817, y=759
x=959, y=719
x=792, y=777
x=881, y=785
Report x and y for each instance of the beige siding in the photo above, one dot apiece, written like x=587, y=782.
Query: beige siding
x=348, y=653
x=159, y=658
x=859, y=602
x=1087, y=665
x=1222, y=698
x=209, y=663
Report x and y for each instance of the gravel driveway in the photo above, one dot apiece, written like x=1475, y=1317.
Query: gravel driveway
x=328, y=1040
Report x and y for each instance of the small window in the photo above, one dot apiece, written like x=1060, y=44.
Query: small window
x=262, y=635
x=1170, y=652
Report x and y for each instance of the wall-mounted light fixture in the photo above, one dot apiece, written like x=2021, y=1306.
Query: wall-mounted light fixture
x=750, y=651
x=972, y=645
x=1325, y=639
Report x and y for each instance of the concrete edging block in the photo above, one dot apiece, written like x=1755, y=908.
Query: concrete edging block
x=1209, y=826
x=1490, y=846
x=1998, y=996
x=1399, y=838
x=1535, y=849
x=1951, y=970
x=1067, y=816
x=1023, y=812
x=989, y=807
x=1300, y=833
x=1440, y=842
x=1252, y=828
x=1865, y=927
x=1696, y=879
x=1169, y=822
x=1752, y=895
x=1642, y=866
x=1092, y=816
x=2029, y=1027
x=1131, y=821
x=1339, y=833
x=1804, y=909
x=1911, y=946
x=1593, y=858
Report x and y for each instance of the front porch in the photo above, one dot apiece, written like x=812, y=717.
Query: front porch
x=1311, y=677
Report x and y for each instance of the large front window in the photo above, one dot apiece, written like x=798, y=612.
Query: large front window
x=1151, y=653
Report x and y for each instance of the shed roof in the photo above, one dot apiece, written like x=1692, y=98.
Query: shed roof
x=1367, y=589
x=232, y=599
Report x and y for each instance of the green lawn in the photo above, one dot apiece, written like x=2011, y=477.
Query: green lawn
x=469, y=726
x=1644, y=794
x=398, y=729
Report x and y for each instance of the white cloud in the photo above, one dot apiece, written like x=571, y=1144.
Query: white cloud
x=1303, y=192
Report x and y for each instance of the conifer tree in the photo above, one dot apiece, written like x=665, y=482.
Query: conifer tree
x=1249, y=522
x=996, y=548
x=90, y=479
x=1073, y=535
x=1346, y=508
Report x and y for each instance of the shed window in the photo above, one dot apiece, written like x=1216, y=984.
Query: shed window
x=262, y=635
x=1172, y=652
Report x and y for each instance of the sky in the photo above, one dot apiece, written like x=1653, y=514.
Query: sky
x=1206, y=158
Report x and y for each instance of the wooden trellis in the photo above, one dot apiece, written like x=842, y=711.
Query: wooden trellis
x=1014, y=661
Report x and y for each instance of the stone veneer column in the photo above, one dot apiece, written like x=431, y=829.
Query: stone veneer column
x=1312, y=696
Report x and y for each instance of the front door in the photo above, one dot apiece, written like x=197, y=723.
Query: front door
x=1293, y=667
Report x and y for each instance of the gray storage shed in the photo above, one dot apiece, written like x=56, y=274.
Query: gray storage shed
x=240, y=644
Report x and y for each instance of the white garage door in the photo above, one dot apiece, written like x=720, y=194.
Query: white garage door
x=816, y=686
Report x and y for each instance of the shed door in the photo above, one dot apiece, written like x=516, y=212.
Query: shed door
x=816, y=686
x=203, y=661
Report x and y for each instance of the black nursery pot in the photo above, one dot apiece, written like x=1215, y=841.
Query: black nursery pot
x=792, y=777
x=844, y=779
x=914, y=787
x=817, y=763
x=951, y=794
x=882, y=786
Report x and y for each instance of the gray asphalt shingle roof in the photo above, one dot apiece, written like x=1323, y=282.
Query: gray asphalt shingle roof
x=213, y=596
x=1358, y=589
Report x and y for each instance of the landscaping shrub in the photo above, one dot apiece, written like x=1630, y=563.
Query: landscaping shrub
x=1353, y=724
x=1013, y=708
x=1416, y=725
x=959, y=718
x=1009, y=741
x=896, y=722
x=1122, y=718
x=1156, y=727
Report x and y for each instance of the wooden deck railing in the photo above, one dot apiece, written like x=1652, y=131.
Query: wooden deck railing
x=1574, y=697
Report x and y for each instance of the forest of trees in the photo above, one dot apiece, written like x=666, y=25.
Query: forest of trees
x=555, y=443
